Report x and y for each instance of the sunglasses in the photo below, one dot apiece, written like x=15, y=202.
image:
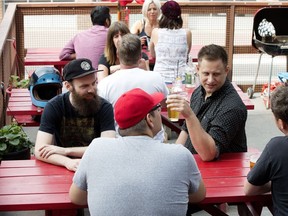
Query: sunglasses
x=156, y=108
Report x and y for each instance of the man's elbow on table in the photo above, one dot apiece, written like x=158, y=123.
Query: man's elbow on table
x=250, y=189
x=199, y=195
x=210, y=151
x=207, y=157
x=42, y=139
x=77, y=196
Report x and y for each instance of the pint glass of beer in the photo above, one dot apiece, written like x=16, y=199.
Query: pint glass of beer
x=253, y=159
x=173, y=115
x=177, y=88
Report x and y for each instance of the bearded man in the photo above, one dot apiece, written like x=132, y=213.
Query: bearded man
x=70, y=121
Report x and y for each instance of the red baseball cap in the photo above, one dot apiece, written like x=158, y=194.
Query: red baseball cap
x=134, y=105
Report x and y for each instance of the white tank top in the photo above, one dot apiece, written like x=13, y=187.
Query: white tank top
x=171, y=49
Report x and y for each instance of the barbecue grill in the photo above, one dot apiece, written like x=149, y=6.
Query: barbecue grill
x=270, y=36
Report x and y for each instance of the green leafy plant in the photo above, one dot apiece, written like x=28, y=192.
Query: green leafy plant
x=15, y=82
x=13, y=139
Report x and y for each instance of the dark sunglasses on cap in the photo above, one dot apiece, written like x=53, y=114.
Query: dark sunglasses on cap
x=156, y=108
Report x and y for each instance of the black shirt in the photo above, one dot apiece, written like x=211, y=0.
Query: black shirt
x=272, y=166
x=71, y=129
x=223, y=115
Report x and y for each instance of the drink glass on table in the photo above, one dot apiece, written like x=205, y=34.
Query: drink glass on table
x=190, y=76
x=253, y=159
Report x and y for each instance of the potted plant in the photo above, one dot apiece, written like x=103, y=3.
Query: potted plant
x=14, y=143
x=15, y=82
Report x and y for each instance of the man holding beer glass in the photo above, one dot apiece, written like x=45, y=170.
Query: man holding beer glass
x=215, y=119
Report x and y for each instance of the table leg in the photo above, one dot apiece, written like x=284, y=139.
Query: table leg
x=173, y=126
x=59, y=68
x=65, y=212
x=213, y=210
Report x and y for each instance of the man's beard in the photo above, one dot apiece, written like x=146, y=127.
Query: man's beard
x=85, y=107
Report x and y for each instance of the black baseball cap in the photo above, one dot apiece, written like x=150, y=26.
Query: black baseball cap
x=78, y=68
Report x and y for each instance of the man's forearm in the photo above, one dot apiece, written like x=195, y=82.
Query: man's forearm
x=75, y=151
x=250, y=189
x=203, y=143
x=56, y=159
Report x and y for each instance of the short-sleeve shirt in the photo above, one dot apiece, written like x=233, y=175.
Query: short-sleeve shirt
x=136, y=175
x=273, y=166
x=103, y=61
x=223, y=116
x=71, y=129
x=87, y=44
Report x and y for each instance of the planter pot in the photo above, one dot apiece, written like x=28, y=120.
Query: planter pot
x=20, y=155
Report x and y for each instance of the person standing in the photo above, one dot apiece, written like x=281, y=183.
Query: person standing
x=170, y=44
x=135, y=174
x=70, y=121
x=216, y=117
x=91, y=42
x=270, y=173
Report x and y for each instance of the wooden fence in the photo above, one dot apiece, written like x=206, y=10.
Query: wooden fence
x=43, y=25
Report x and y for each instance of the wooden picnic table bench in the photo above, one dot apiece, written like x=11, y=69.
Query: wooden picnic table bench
x=35, y=185
x=21, y=108
x=44, y=57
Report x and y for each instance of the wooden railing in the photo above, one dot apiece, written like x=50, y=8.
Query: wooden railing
x=51, y=25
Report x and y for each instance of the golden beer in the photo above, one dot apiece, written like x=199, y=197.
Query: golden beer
x=177, y=88
x=252, y=164
x=253, y=159
x=173, y=115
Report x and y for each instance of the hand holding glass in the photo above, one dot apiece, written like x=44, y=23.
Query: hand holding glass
x=173, y=115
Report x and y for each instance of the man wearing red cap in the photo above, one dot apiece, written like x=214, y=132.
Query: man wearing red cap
x=72, y=120
x=135, y=174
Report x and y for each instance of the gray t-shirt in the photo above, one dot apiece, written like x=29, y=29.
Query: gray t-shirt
x=137, y=175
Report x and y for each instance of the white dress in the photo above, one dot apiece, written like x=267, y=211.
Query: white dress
x=171, y=52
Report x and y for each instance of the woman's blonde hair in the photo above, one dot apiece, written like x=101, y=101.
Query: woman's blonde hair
x=146, y=6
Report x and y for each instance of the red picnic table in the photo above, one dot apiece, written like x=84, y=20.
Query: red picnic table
x=21, y=108
x=50, y=56
x=35, y=185
x=44, y=57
